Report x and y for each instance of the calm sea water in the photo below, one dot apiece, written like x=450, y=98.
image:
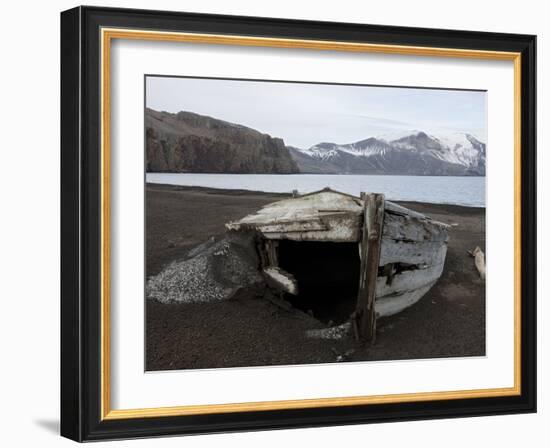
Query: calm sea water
x=468, y=191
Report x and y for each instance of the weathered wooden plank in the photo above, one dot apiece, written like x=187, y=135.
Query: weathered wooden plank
x=279, y=279
x=323, y=220
x=294, y=226
x=420, y=253
x=373, y=220
x=300, y=208
x=392, y=207
x=395, y=209
x=393, y=304
x=338, y=228
x=407, y=281
x=403, y=228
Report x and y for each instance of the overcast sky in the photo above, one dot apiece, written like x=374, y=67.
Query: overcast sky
x=307, y=114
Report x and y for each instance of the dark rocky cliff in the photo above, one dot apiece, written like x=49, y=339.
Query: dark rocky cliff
x=188, y=142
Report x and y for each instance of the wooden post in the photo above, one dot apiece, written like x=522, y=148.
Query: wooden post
x=373, y=220
x=262, y=254
x=271, y=249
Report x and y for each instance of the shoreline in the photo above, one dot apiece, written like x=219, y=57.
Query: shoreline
x=316, y=174
x=230, y=191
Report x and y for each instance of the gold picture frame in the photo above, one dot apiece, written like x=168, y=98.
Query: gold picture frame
x=108, y=30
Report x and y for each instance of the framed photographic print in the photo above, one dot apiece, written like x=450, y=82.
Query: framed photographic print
x=274, y=223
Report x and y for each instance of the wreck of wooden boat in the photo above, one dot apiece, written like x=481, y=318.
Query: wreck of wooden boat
x=332, y=243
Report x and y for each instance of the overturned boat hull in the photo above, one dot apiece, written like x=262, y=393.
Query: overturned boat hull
x=402, y=252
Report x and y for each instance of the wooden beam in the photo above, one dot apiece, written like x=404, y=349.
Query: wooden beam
x=260, y=246
x=373, y=221
x=281, y=280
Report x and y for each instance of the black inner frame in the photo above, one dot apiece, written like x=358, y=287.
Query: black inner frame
x=81, y=208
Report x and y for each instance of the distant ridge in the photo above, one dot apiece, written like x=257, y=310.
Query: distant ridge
x=456, y=154
x=189, y=142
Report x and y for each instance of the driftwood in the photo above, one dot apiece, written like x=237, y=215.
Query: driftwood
x=479, y=260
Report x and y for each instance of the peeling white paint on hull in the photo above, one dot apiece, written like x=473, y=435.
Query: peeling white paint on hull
x=390, y=305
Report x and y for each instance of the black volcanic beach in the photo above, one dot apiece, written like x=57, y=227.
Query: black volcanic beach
x=449, y=321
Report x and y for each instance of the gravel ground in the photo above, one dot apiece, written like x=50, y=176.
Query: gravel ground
x=252, y=330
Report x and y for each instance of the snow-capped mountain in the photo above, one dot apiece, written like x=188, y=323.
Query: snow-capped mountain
x=414, y=152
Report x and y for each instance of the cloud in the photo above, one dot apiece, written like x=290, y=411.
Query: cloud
x=304, y=114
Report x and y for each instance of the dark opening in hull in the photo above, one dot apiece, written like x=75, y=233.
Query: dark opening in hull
x=327, y=275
